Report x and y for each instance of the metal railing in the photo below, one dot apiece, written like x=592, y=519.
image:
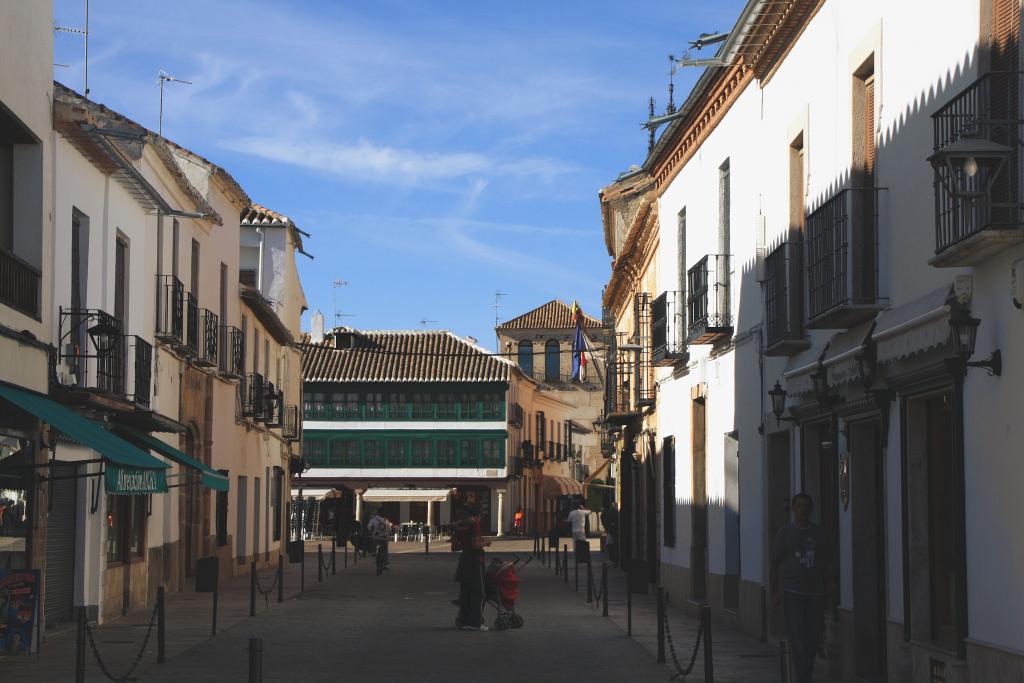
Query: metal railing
x=668, y=328
x=273, y=412
x=253, y=393
x=784, y=293
x=140, y=352
x=988, y=109
x=409, y=411
x=170, y=303
x=232, y=356
x=192, y=323
x=290, y=425
x=247, y=277
x=19, y=284
x=842, y=252
x=623, y=380
x=709, y=309
x=92, y=344
x=210, y=342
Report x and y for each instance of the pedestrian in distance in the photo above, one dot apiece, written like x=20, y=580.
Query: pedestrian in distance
x=800, y=577
x=470, y=572
x=519, y=521
x=379, y=530
x=577, y=521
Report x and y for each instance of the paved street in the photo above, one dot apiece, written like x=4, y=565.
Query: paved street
x=399, y=627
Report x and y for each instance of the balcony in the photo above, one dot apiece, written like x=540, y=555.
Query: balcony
x=232, y=357
x=668, y=329
x=19, y=284
x=92, y=346
x=290, y=428
x=515, y=415
x=273, y=412
x=841, y=256
x=192, y=335
x=170, y=308
x=629, y=386
x=978, y=208
x=784, y=300
x=708, y=305
x=253, y=396
x=140, y=356
x=209, y=341
x=247, y=277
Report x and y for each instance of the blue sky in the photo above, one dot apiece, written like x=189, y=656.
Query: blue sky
x=437, y=151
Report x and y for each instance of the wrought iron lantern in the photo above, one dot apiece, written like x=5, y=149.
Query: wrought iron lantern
x=104, y=333
x=778, y=397
x=867, y=364
x=965, y=336
x=819, y=378
x=970, y=165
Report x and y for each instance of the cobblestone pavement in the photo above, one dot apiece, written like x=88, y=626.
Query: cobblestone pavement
x=399, y=627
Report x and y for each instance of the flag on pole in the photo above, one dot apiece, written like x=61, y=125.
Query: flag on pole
x=579, y=344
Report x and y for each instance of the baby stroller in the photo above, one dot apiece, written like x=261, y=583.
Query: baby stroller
x=501, y=589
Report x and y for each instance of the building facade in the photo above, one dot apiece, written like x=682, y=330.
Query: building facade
x=839, y=226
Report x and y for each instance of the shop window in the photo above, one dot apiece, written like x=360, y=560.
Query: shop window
x=126, y=528
x=14, y=508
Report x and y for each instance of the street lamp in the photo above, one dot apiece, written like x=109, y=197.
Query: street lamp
x=819, y=379
x=104, y=333
x=965, y=336
x=867, y=364
x=971, y=164
x=778, y=397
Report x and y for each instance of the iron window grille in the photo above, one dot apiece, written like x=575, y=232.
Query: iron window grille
x=141, y=354
x=668, y=328
x=784, y=297
x=247, y=277
x=19, y=284
x=709, y=306
x=232, y=357
x=192, y=335
x=170, y=303
x=209, y=343
x=253, y=391
x=290, y=426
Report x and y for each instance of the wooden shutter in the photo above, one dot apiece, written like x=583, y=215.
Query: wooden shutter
x=869, y=132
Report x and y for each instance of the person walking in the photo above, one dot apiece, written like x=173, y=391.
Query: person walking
x=519, y=521
x=470, y=572
x=801, y=557
x=379, y=530
x=577, y=521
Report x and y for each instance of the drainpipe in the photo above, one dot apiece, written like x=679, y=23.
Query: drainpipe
x=259, y=267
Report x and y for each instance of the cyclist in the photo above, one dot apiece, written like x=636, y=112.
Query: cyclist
x=379, y=528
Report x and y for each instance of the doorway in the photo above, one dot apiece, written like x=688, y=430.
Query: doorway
x=778, y=496
x=868, y=527
x=240, y=520
x=60, y=545
x=699, y=516
x=819, y=478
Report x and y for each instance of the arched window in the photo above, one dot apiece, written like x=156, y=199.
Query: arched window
x=551, y=367
x=526, y=357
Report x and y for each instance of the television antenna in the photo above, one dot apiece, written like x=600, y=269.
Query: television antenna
x=164, y=77
x=424, y=322
x=497, y=305
x=84, y=32
x=335, y=285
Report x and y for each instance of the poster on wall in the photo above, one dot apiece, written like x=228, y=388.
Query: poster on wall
x=19, y=599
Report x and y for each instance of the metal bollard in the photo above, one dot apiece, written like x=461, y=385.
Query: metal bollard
x=558, y=563
x=334, y=557
x=255, y=660
x=604, y=588
x=764, y=614
x=280, y=578
x=80, y=648
x=565, y=563
x=319, y=562
x=576, y=572
x=629, y=608
x=783, y=662
x=252, y=589
x=661, y=625
x=709, y=661
x=161, y=626
x=426, y=541
x=346, y=556
x=216, y=596
x=590, y=583
x=302, y=569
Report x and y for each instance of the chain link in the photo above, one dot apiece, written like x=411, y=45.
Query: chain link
x=599, y=590
x=680, y=672
x=266, y=593
x=128, y=675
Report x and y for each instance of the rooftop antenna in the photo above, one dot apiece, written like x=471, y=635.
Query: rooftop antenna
x=703, y=40
x=424, y=322
x=671, y=108
x=164, y=77
x=497, y=305
x=650, y=115
x=335, y=285
x=85, y=34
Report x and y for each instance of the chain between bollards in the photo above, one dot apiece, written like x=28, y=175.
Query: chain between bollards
x=709, y=662
x=255, y=660
x=161, y=626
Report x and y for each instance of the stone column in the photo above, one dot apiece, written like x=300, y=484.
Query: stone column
x=430, y=515
x=501, y=512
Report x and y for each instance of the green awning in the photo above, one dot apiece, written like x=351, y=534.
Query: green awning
x=211, y=478
x=129, y=470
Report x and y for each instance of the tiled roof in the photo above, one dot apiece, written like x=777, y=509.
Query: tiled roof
x=554, y=315
x=259, y=216
x=398, y=356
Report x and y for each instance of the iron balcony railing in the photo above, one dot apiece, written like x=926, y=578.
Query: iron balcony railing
x=209, y=342
x=986, y=110
x=192, y=335
x=274, y=408
x=253, y=392
x=515, y=415
x=247, y=277
x=407, y=411
x=290, y=425
x=668, y=328
x=708, y=305
x=92, y=345
x=19, y=284
x=784, y=293
x=232, y=354
x=170, y=305
x=140, y=355
x=841, y=257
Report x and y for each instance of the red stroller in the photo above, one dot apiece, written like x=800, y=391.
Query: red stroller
x=501, y=589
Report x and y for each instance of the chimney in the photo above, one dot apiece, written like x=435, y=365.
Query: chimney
x=317, y=323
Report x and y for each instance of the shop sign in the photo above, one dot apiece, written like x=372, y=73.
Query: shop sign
x=19, y=603
x=131, y=481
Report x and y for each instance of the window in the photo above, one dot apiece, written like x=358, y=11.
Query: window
x=245, y=337
x=126, y=528
x=492, y=407
x=314, y=452
x=551, y=364
x=313, y=404
x=373, y=453
x=222, y=515
x=397, y=453
x=175, y=236
x=724, y=202
x=345, y=405
x=468, y=456
x=490, y=453
x=421, y=456
x=470, y=406
x=422, y=407
x=397, y=402
x=255, y=349
x=797, y=178
x=15, y=488
x=374, y=405
x=446, y=406
x=194, y=265
x=7, y=198
x=276, y=496
x=446, y=453
x=526, y=357
x=345, y=453
x=668, y=481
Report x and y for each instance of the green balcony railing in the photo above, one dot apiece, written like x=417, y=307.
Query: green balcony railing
x=478, y=410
